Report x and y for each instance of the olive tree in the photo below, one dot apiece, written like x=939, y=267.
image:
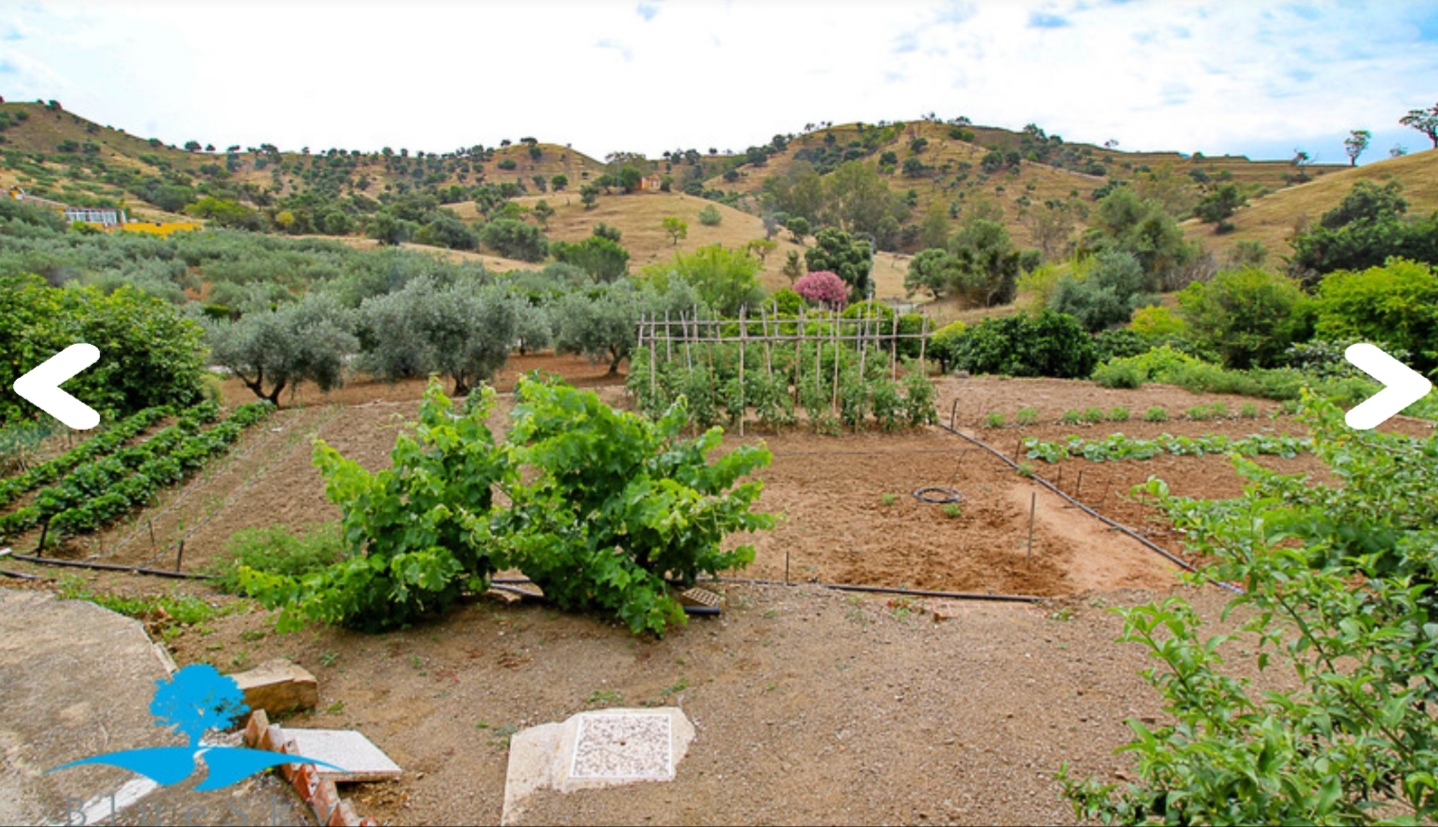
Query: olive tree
x=602, y=324
x=273, y=347
x=463, y=331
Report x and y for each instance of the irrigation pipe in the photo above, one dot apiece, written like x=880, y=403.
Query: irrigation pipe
x=1117, y=526
x=86, y=564
x=843, y=587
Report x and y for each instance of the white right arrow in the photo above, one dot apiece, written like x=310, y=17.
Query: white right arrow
x=1404, y=386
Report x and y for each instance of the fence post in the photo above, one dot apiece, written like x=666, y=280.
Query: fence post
x=743, y=334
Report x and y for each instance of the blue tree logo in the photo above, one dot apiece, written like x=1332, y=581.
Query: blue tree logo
x=196, y=699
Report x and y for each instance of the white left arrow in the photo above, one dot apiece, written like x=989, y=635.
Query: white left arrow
x=41, y=386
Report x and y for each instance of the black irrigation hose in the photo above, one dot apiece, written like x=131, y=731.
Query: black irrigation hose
x=85, y=564
x=1117, y=526
x=949, y=495
x=843, y=587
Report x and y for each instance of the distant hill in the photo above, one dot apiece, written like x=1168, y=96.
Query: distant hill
x=1272, y=219
x=937, y=167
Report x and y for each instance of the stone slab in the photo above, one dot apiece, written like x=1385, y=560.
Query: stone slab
x=362, y=760
x=599, y=748
x=278, y=686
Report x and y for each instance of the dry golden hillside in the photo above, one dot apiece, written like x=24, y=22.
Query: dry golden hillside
x=956, y=178
x=1272, y=219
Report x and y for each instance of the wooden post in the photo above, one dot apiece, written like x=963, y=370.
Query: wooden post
x=653, y=355
x=863, y=342
x=668, y=338
x=1078, y=486
x=1033, y=503
x=894, y=347
x=834, y=332
x=743, y=334
x=923, y=340
x=688, y=358
x=799, y=354
x=180, y=554
x=764, y=320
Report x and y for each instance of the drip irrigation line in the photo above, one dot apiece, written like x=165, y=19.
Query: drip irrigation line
x=19, y=575
x=87, y=564
x=1115, y=525
x=843, y=587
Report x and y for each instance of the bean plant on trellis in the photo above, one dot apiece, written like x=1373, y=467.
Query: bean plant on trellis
x=841, y=371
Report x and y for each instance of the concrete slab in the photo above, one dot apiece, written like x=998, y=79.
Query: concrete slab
x=600, y=748
x=344, y=748
x=77, y=680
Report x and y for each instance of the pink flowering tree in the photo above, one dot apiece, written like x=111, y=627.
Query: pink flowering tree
x=824, y=288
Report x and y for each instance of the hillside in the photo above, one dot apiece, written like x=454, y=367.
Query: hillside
x=951, y=172
x=1271, y=220
x=937, y=168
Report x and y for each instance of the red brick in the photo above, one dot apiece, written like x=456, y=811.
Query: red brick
x=305, y=780
x=343, y=815
x=325, y=799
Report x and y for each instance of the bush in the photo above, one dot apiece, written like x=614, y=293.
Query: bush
x=1118, y=413
x=602, y=507
x=602, y=258
x=1396, y=304
x=1051, y=345
x=516, y=239
x=994, y=419
x=1072, y=417
x=1092, y=415
x=277, y=549
x=1155, y=414
x=149, y=353
x=1156, y=321
x=944, y=343
x=1119, y=373
x=710, y=216
x=1027, y=416
x=1107, y=294
x=1248, y=317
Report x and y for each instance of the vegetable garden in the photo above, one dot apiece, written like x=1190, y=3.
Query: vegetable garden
x=853, y=370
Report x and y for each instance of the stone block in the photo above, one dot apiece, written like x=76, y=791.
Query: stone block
x=278, y=686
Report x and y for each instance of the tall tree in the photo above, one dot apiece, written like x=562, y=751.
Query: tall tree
x=1355, y=144
x=1423, y=120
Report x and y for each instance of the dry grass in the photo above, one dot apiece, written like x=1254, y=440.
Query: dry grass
x=1271, y=220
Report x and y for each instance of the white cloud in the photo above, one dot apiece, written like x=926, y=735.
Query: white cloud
x=615, y=75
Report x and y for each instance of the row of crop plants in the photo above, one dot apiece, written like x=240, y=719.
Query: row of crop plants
x=93, y=448
x=1119, y=447
x=827, y=386
x=106, y=484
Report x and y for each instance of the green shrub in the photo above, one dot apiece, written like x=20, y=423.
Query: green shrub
x=1200, y=413
x=710, y=216
x=1118, y=413
x=994, y=420
x=596, y=502
x=1050, y=345
x=1248, y=317
x=1396, y=304
x=1248, y=410
x=279, y=550
x=1092, y=415
x=1155, y=414
x=1027, y=416
x=1072, y=417
x=1120, y=373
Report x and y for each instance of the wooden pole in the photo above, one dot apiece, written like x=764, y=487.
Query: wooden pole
x=743, y=334
x=1033, y=504
x=894, y=348
x=834, y=331
x=923, y=340
x=653, y=354
x=764, y=320
x=668, y=338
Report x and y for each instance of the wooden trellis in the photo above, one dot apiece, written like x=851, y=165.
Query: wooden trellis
x=691, y=333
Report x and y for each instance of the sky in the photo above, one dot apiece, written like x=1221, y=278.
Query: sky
x=1254, y=78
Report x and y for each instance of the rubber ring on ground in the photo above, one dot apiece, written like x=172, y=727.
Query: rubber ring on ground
x=946, y=495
